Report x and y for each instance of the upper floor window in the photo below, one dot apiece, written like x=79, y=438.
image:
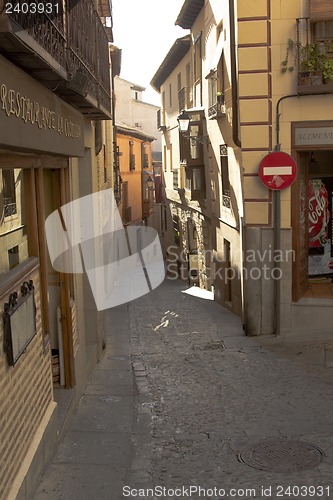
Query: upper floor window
x=9, y=192
x=322, y=33
x=195, y=154
x=179, y=81
x=195, y=182
x=131, y=155
x=225, y=176
x=197, y=70
x=216, y=91
x=15, y=218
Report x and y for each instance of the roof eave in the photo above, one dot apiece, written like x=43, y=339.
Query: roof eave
x=177, y=52
x=189, y=12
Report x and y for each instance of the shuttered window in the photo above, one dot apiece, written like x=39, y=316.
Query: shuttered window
x=321, y=10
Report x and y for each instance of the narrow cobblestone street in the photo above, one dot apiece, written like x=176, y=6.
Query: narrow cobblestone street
x=180, y=392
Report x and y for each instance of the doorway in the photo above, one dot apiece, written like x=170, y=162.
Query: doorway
x=312, y=224
x=57, y=288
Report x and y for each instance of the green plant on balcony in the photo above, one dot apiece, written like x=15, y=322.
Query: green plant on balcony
x=315, y=67
x=286, y=66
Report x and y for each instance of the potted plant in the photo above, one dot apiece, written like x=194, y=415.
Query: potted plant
x=314, y=66
x=310, y=61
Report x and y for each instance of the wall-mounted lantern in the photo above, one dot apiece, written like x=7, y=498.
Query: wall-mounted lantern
x=183, y=121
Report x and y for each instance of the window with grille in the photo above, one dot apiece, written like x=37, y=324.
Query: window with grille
x=9, y=194
x=225, y=176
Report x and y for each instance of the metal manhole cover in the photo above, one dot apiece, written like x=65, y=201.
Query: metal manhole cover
x=281, y=455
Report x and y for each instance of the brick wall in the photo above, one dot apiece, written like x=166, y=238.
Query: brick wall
x=25, y=394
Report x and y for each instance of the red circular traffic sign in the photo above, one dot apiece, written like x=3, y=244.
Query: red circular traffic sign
x=277, y=170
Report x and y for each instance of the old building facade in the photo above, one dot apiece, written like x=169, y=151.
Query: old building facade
x=55, y=147
x=253, y=77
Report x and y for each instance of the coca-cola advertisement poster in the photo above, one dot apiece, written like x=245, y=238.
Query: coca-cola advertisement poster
x=320, y=192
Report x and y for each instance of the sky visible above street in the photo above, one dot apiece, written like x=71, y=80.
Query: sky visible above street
x=145, y=31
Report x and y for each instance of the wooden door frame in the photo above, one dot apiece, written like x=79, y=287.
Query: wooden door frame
x=295, y=224
x=65, y=279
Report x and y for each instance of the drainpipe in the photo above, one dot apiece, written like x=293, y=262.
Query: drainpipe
x=277, y=226
x=234, y=82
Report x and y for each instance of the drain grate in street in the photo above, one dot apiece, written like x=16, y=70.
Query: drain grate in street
x=281, y=455
x=213, y=346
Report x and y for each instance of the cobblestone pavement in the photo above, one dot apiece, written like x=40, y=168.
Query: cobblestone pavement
x=206, y=392
x=198, y=393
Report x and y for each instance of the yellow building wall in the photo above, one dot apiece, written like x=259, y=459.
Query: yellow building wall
x=262, y=47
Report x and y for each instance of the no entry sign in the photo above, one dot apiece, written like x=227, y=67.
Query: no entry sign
x=277, y=170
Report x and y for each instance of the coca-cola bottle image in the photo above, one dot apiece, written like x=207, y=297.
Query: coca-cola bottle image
x=318, y=213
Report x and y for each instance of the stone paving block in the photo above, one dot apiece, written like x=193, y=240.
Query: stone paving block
x=115, y=362
x=105, y=377
x=111, y=388
x=81, y=482
x=97, y=414
x=91, y=447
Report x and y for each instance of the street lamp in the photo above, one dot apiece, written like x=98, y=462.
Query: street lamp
x=150, y=184
x=183, y=121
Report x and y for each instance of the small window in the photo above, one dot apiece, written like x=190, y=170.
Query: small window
x=9, y=192
x=323, y=36
x=183, y=148
x=131, y=156
x=195, y=156
x=13, y=257
x=225, y=176
x=197, y=70
x=176, y=178
x=196, y=182
x=179, y=81
x=170, y=95
x=145, y=160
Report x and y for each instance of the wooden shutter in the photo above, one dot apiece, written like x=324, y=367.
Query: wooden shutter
x=321, y=10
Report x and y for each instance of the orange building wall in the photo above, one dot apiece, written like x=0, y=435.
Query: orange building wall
x=133, y=177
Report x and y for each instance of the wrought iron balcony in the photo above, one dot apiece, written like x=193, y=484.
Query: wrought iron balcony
x=314, y=58
x=226, y=202
x=66, y=49
x=217, y=110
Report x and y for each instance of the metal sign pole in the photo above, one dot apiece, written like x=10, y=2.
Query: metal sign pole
x=277, y=264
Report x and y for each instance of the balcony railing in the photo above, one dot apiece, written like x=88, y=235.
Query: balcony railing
x=218, y=109
x=65, y=49
x=226, y=200
x=9, y=208
x=314, y=57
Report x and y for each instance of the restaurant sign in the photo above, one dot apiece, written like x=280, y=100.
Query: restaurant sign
x=33, y=118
